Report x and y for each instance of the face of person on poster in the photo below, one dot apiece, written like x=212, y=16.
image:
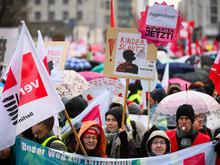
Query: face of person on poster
x=111, y=123
x=184, y=124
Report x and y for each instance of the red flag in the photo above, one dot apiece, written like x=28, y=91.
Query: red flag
x=112, y=15
x=198, y=48
x=189, y=42
x=214, y=74
x=204, y=42
x=215, y=45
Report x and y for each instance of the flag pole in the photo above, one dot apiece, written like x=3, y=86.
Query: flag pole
x=75, y=133
x=112, y=15
x=125, y=105
x=148, y=105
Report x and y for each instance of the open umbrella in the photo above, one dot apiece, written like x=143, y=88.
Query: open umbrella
x=175, y=68
x=99, y=58
x=201, y=103
x=91, y=75
x=197, y=75
x=181, y=82
x=72, y=84
x=77, y=64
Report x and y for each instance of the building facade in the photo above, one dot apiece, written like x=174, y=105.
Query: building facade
x=206, y=15
x=80, y=19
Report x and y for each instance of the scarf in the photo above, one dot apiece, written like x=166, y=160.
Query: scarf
x=185, y=141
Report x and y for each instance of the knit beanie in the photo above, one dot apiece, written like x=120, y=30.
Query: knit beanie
x=75, y=106
x=158, y=94
x=134, y=108
x=117, y=113
x=185, y=110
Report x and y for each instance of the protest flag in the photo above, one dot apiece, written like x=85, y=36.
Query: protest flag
x=28, y=96
x=94, y=111
x=112, y=15
x=165, y=80
x=214, y=73
x=41, y=50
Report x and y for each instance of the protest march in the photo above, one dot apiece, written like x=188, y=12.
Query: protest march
x=144, y=96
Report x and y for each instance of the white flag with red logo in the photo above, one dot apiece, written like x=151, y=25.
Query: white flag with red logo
x=95, y=111
x=28, y=96
x=41, y=50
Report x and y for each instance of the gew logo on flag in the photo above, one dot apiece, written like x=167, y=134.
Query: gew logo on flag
x=31, y=88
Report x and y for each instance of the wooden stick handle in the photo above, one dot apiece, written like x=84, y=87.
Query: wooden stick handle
x=148, y=105
x=125, y=105
x=75, y=133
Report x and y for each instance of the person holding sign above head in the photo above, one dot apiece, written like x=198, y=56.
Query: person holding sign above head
x=92, y=137
x=128, y=66
x=44, y=135
x=185, y=135
x=119, y=143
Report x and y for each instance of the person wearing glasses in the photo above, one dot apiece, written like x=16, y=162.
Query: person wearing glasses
x=92, y=137
x=158, y=144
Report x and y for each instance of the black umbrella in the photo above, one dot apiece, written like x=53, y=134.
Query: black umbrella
x=198, y=75
x=175, y=68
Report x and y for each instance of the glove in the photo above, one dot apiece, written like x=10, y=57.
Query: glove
x=217, y=149
x=123, y=137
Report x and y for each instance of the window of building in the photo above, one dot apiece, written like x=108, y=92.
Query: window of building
x=65, y=1
x=51, y=2
x=107, y=19
x=107, y=5
x=65, y=15
x=37, y=2
x=213, y=19
x=79, y=15
x=51, y=16
x=37, y=16
x=214, y=10
x=79, y=1
x=24, y=2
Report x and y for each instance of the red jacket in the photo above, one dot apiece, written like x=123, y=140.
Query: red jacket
x=200, y=138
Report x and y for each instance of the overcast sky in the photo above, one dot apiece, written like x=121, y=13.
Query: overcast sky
x=169, y=2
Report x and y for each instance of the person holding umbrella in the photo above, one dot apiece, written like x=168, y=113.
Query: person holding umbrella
x=185, y=135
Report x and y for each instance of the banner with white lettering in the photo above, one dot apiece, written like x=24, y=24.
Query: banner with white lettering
x=28, y=96
x=29, y=152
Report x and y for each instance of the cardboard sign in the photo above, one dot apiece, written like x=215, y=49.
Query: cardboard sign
x=159, y=24
x=56, y=57
x=129, y=56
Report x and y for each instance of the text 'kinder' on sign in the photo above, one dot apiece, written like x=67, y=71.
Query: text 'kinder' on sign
x=134, y=44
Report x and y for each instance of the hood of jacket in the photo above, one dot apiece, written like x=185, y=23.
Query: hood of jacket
x=101, y=141
x=158, y=133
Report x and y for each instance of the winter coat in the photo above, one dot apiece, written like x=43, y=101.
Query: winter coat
x=100, y=150
x=199, y=139
x=121, y=145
